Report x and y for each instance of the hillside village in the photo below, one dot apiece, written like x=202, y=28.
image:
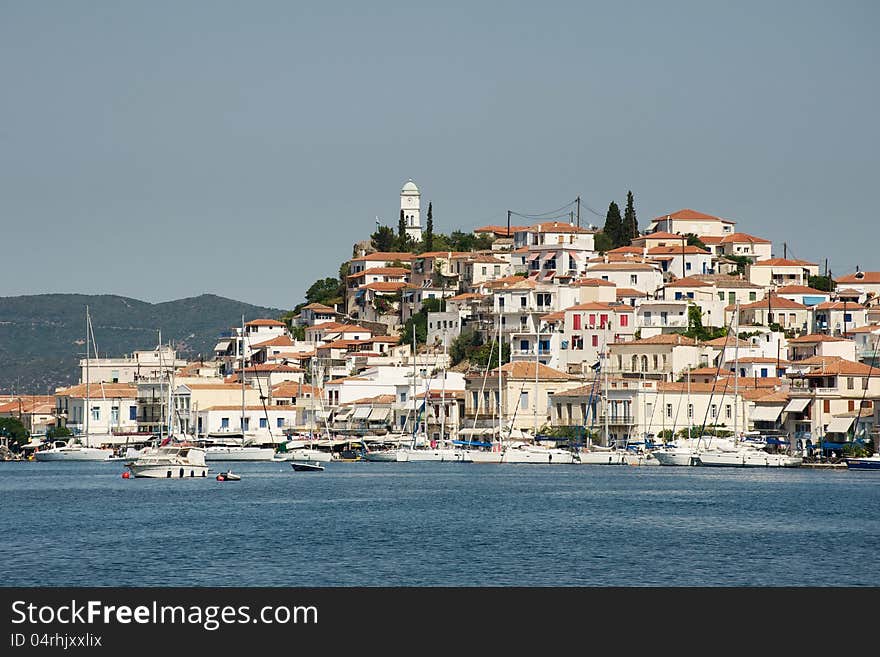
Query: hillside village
x=692, y=321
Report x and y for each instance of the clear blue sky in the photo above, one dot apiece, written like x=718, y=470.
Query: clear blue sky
x=163, y=149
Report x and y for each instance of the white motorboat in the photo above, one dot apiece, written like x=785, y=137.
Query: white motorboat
x=239, y=453
x=309, y=454
x=381, y=455
x=528, y=453
x=600, y=457
x=72, y=450
x=307, y=467
x=683, y=455
x=170, y=461
x=748, y=457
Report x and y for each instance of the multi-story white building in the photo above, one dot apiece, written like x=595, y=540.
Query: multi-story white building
x=690, y=221
x=145, y=364
x=112, y=410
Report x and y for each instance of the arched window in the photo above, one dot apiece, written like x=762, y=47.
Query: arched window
x=635, y=363
x=644, y=363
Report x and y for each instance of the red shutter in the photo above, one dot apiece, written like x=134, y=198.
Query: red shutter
x=577, y=322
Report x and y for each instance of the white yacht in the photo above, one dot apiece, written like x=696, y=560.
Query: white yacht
x=238, y=453
x=596, y=456
x=72, y=450
x=747, y=456
x=170, y=461
x=531, y=453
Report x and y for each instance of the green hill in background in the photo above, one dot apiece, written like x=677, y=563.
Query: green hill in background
x=42, y=337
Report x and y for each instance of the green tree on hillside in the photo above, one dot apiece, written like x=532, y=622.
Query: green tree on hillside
x=630, y=223
x=613, y=225
x=383, y=239
x=429, y=229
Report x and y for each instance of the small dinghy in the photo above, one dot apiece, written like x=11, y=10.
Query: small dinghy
x=229, y=475
x=302, y=466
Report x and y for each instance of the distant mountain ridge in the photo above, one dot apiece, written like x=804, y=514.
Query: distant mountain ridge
x=42, y=336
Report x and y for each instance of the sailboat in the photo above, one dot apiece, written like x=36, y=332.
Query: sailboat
x=228, y=446
x=601, y=455
x=76, y=448
x=307, y=453
x=170, y=458
x=419, y=448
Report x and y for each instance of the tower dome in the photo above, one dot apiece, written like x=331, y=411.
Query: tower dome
x=409, y=187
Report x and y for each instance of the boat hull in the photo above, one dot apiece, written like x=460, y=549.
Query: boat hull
x=480, y=456
x=313, y=455
x=866, y=463
x=413, y=455
x=169, y=471
x=745, y=459
x=600, y=458
x=548, y=457
x=74, y=454
x=239, y=454
x=677, y=458
x=389, y=456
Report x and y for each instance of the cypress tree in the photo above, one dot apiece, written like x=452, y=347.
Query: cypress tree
x=429, y=229
x=401, y=232
x=630, y=223
x=613, y=225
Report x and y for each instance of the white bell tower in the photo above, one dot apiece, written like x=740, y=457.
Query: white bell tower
x=410, y=205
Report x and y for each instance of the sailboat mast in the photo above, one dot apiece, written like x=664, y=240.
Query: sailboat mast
x=241, y=353
x=605, y=369
x=443, y=396
x=735, y=370
x=500, y=400
x=86, y=408
x=537, y=352
x=415, y=427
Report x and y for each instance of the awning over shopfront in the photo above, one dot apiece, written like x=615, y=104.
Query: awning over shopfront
x=766, y=413
x=839, y=425
x=797, y=405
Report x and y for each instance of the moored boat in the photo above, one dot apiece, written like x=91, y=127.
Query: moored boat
x=864, y=462
x=170, y=461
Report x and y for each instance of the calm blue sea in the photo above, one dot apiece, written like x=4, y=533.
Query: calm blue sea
x=439, y=524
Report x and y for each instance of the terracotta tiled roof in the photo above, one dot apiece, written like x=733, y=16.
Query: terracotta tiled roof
x=870, y=277
x=467, y=296
x=845, y=368
x=710, y=239
x=622, y=266
x=382, y=286
x=664, y=338
x=592, y=282
x=378, y=399
x=319, y=307
x=272, y=367
x=626, y=249
x=294, y=389
x=99, y=390
x=783, y=262
x=264, y=322
x=815, y=337
x=280, y=341
x=659, y=235
x=688, y=214
x=728, y=341
x=688, y=282
x=773, y=301
x=800, y=289
x=556, y=227
x=389, y=256
x=676, y=250
x=553, y=317
x=624, y=292
x=344, y=379
x=381, y=271
x=526, y=370
x=742, y=238
x=839, y=305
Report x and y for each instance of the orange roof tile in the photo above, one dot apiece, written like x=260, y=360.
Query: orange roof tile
x=869, y=277
x=688, y=282
x=688, y=214
x=783, y=262
x=743, y=238
x=264, y=322
x=389, y=256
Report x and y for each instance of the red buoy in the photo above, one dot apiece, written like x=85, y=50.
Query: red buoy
x=126, y=475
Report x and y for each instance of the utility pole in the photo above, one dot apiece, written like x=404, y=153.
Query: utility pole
x=578, y=200
x=784, y=251
x=508, y=223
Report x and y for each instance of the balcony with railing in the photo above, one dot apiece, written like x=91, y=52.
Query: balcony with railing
x=617, y=420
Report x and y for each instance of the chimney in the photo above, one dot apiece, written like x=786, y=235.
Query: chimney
x=363, y=252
